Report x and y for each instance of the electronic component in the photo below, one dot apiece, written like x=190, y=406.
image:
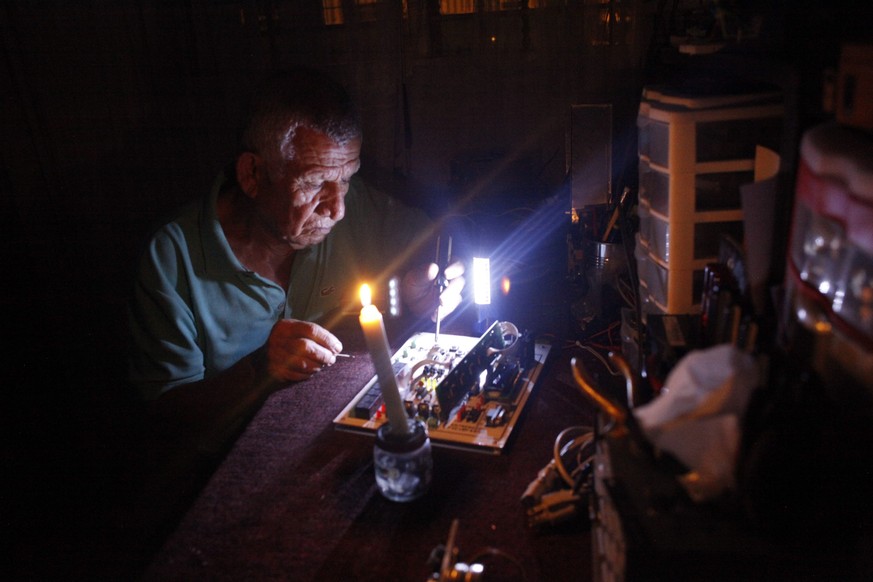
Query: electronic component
x=447, y=568
x=495, y=416
x=371, y=401
x=468, y=391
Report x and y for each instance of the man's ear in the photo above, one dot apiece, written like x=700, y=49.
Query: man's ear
x=248, y=168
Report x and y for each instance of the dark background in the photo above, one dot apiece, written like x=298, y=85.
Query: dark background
x=115, y=113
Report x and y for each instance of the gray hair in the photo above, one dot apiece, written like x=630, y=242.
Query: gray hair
x=293, y=98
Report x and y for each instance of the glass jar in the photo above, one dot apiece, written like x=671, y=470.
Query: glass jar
x=403, y=462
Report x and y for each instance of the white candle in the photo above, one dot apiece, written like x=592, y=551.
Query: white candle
x=377, y=344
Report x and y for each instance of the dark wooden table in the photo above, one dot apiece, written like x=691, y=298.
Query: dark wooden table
x=296, y=499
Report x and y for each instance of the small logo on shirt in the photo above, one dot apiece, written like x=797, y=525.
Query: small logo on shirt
x=327, y=291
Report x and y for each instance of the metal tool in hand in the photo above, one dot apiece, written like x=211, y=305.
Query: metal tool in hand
x=441, y=281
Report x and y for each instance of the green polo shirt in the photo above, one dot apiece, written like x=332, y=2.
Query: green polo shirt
x=196, y=310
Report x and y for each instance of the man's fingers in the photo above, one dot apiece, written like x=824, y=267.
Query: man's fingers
x=326, y=339
x=296, y=366
x=292, y=329
x=454, y=270
x=431, y=272
x=454, y=287
x=298, y=349
x=451, y=297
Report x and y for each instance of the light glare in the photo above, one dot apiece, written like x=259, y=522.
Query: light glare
x=481, y=281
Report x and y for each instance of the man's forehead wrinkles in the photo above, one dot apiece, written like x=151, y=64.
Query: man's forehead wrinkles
x=317, y=169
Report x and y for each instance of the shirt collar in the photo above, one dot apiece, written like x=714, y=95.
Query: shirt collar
x=219, y=257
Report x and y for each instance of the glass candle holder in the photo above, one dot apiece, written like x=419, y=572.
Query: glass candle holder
x=403, y=462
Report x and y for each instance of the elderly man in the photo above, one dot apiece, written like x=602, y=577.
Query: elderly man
x=232, y=294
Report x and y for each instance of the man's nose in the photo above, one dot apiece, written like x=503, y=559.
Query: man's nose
x=333, y=204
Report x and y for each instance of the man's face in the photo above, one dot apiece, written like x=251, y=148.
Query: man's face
x=304, y=198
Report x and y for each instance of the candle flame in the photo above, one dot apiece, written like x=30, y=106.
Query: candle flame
x=505, y=285
x=366, y=296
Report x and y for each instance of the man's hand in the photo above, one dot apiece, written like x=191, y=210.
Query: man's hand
x=298, y=349
x=421, y=293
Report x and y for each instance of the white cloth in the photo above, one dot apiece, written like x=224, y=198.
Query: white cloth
x=698, y=414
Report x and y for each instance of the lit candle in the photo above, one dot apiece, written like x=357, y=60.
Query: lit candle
x=377, y=344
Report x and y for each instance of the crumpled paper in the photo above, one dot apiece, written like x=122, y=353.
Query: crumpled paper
x=697, y=417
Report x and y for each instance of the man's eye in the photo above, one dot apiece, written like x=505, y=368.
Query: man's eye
x=312, y=186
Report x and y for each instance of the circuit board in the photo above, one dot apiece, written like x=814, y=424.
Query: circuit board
x=469, y=391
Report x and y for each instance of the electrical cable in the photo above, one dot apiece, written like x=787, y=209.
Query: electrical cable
x=605, y=330
x=601, y=359
x=627, y=293
x=558, y=492
x=585, y=440
x=633, y=287
x=580, y=442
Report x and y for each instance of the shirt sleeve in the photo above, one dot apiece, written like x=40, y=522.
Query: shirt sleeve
x=165, y=352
